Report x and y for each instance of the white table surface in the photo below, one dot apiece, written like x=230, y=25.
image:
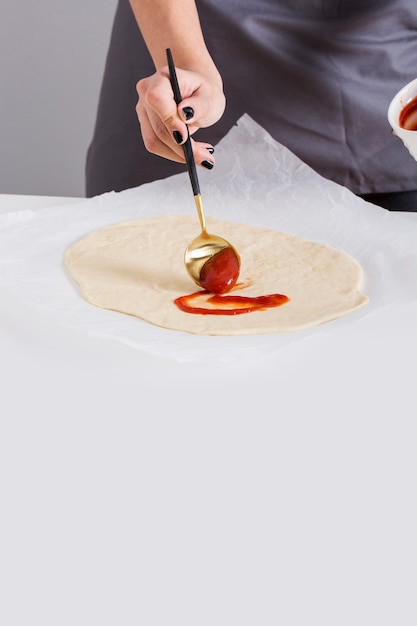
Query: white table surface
x=139, y=490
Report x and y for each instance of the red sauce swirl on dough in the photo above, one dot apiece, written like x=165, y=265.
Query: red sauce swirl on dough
x=229, y=305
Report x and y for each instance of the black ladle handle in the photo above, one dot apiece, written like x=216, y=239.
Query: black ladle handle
x=188, y=150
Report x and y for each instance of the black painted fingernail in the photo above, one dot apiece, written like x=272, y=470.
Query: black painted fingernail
x=207, y=164
x=188, y=113
x=177, y=136
x=211, y=150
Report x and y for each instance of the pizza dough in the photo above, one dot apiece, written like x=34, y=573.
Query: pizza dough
x=137, y=268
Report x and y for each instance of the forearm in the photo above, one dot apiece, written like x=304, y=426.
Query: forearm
x=173, y=24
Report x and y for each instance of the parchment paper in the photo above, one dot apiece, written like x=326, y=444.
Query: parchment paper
x=256, y=181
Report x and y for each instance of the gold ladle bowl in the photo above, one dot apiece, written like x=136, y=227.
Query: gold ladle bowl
x=211, y=261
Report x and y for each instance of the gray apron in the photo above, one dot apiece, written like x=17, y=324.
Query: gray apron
x=317, y=75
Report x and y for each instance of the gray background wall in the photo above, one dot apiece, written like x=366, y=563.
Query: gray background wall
x=52, y=56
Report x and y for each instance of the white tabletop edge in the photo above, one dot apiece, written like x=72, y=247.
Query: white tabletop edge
x=20, y=202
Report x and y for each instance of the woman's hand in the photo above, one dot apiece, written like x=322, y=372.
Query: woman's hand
x=164, y=124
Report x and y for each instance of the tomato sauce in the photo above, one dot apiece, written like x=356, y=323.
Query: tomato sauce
x=408, y=115
x=229, y=305
x=221, y=272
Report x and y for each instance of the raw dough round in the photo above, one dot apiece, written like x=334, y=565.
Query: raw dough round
x=137, y=268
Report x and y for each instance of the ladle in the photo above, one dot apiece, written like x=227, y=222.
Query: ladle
x=211, y=261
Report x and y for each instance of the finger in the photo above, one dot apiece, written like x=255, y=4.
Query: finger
x=203, y=102
x=155, y=94
x=203, y=152
x=155, y=136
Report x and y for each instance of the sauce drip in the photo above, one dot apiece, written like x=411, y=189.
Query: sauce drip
x=221, y=272
x=229, y=305
x=408, y=115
